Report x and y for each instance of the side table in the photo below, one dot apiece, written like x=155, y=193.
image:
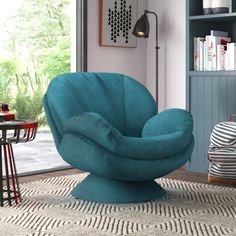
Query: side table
x=14, y=131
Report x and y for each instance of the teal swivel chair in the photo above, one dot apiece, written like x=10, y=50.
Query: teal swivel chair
x=107, y=124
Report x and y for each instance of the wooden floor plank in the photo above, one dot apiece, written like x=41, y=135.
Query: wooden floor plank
x=180, y=174
x=35, y=177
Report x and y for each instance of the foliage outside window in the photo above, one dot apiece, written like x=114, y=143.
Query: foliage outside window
x=36, y=49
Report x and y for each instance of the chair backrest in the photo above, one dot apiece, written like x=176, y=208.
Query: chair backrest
x=121, y=100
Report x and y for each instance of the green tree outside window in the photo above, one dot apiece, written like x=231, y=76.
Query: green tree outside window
x=37, y=49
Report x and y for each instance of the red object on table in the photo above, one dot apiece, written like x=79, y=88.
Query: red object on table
x=6, y=116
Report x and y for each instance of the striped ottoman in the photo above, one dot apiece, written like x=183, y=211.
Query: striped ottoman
x=222, y=153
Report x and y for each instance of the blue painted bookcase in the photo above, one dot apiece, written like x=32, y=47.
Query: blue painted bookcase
x=211, y=95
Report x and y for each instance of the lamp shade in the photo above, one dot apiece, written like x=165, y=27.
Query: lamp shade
x=141, y=28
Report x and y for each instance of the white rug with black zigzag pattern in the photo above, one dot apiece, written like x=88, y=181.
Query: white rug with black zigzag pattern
x=190, y=209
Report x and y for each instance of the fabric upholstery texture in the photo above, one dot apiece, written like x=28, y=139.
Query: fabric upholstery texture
x=107, y=124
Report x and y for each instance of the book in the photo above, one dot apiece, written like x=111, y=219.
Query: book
x=220, y=57
x=205, y=56
x=227, y=57
x=214, y=52
x=209, y=52
x=199, y=53
x=195, y=59
x=232, y=56
x=219, y=33
x=215, y=40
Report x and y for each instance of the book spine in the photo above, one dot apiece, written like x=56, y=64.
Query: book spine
x=209, y=52
x=215, y=42
x=219, y=33
x=201, y=47
x=195, y=54
x=220, y=57
x=205, y=56
x=198, y=53
x=232, y=56
x=235, y=56
x=227, y=57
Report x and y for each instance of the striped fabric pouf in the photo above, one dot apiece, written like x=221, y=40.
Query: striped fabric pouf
x=222, y=151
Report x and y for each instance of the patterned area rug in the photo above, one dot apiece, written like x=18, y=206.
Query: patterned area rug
x=189, y=208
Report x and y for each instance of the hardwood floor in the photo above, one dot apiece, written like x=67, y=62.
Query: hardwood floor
x=35, y=177
x=180, y=174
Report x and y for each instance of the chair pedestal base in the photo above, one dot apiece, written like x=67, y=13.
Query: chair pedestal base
x=105, y=190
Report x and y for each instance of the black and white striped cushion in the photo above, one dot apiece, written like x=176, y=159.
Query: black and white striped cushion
x=222, y=151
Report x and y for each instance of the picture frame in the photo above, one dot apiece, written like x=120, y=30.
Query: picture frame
x=116, y=22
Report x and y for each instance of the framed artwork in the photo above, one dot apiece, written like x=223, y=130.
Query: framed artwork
x=116, y=22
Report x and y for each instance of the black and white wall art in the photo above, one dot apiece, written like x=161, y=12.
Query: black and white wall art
x=117, y=19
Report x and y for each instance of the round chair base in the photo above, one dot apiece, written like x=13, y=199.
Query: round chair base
x=105, y=190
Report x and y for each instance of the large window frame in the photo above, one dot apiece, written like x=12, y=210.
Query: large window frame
x=79, y=58
x=81, y=35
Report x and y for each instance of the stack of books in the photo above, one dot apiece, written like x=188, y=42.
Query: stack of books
x=214, y=52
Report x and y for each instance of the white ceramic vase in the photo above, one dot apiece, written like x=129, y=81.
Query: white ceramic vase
x=220, y=6
x=207, y=7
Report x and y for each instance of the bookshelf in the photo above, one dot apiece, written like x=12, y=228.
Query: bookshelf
x=211, y=95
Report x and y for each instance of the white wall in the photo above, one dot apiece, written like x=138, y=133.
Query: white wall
x=171, y=17
x=130, y=61
x=133, y=62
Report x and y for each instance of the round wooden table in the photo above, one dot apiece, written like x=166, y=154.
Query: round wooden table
x=14, y=131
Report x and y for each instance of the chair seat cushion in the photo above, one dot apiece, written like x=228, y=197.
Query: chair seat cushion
x=95, y=128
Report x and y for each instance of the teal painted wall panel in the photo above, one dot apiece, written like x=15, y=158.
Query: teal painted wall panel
x=193, y=103
x=200, y=117
x=207, y=115
x=213, y=99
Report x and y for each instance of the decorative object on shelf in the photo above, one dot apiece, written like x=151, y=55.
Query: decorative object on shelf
x=5, y=113
x=116, y=20
x=141, y=30
x=207, y=7
x=220, y=6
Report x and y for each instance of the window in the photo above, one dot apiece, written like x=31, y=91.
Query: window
x=39, y=40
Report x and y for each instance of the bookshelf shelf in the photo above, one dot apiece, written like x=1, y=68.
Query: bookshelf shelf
x=212, y=73
x=210, y=95
x=214, y=17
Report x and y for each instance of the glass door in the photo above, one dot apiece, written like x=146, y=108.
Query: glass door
x=39, y=40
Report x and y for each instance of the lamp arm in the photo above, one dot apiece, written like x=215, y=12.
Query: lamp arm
x=154, y=13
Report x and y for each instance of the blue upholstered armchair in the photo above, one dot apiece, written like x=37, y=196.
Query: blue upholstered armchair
x=107, y=124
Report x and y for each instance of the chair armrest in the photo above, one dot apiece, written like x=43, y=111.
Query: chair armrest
x=94, y=127
x=169, y=121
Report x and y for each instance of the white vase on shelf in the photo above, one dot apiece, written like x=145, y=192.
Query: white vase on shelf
x=207, y=7
x=220, y=6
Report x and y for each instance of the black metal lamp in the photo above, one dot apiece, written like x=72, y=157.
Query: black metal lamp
x=141, y=30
